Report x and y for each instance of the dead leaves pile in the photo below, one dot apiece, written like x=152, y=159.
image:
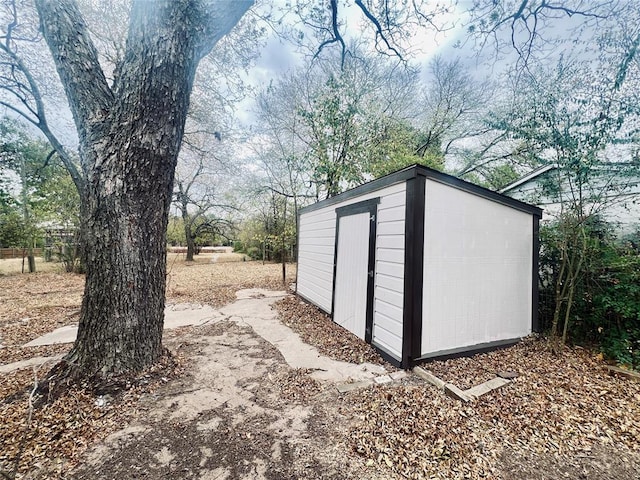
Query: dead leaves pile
x=49, y=437
x=17, y=353
x=296, y=385
x=35, y=304
x=562, y=406
x=317, y=329
x=559, y=407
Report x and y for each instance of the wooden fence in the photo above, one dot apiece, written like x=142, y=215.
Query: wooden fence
x=18, y=252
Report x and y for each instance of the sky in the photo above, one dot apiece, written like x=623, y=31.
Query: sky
x=279, y=55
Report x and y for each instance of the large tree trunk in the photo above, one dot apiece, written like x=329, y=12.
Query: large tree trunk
x=130, y=136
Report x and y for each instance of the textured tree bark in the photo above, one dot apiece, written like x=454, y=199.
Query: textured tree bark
x=130, y=135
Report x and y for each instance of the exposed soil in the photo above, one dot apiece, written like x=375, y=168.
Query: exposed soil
x=601, y=462
x=237, y=413
x=229, y=407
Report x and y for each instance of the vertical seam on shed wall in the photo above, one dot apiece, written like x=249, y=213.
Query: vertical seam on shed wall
x=535, y=265
x=413, y=270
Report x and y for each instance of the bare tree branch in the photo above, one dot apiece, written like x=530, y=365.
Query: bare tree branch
x=379, y=32
x=337, y=37
x=31, y=88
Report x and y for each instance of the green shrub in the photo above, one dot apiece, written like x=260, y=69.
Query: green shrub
x=616, y=305
x=255, y=253
x=606, y=308
x=238, y=246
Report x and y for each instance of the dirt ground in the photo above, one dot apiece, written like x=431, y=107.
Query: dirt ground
x=227, y=405
x=234, y=415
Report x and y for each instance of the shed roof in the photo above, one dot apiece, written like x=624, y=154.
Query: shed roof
x=420, y=170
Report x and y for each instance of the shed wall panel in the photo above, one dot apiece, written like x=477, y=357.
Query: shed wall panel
x=477, y=270
x=315, y=254
x=316, y=248
x=389, y=279
x=389, y=296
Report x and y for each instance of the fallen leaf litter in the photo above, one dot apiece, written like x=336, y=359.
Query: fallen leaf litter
x=563, y=407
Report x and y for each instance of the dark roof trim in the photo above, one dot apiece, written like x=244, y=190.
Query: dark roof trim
x=380, y=183
x=429, y=173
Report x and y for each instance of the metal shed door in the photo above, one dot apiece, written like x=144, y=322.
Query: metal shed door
x=354, y=268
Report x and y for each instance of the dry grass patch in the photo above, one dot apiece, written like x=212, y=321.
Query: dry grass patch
x=215, y=284
x=34, y=304
x=12, y=266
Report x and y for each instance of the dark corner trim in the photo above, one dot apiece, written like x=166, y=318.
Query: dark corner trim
x=413, y=271
x=373, y=227
x=535, y=267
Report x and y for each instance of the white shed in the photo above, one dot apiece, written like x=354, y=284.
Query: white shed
x=421, y=264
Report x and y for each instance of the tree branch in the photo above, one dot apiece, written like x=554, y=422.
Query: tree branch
x=41, y=119
x=216, y=21
x=379, y=31
x=337, y=36
x=76, y=60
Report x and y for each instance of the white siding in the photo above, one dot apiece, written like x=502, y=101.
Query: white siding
x=315, y=262
x=389, y=282
x=477, y=270
x=315, y=256
x=615, y=197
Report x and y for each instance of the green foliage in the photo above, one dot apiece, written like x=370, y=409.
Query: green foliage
x=35, y=189
x=175, y=231
x=12, y=228
x=255, y=253
x=623, y=346
x=606, y=310
x=271, y=234
x=337, y=150
x=68, y=253
x=393, y=146
x=338, y=123
x=616, y=303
